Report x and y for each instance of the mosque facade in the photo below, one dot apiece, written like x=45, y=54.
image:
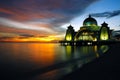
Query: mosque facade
x=90, y=31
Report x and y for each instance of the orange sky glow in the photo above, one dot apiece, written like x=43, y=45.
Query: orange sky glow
x=32, y=39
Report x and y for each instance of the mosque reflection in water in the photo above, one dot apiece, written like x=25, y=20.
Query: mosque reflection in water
x=85, y=53
x=76, y=57
x=50, y=62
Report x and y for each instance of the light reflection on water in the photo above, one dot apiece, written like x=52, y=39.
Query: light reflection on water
x=54, y=60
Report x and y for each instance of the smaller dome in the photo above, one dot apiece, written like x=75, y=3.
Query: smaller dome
x=90, y=21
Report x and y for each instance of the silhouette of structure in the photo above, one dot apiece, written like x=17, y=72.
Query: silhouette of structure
x=89, y=32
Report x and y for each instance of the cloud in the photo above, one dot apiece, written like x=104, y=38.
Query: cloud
x=15, y=24
x=26, y=35
x=107, y=14
x=114, y=33
x=40, y=15
x=42, y=9
x=8, y=34
x=21, y=32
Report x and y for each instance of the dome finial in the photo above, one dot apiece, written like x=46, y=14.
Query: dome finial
x=89, y=16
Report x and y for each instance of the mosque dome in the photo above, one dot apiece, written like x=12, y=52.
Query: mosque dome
x=90, y=21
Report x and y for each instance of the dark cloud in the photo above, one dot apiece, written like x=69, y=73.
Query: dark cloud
x=107, y=14
x=30, y=35
x=53, y=12
x=41, y=9
x=114, y=33
x=27, y=35
x=55, y=6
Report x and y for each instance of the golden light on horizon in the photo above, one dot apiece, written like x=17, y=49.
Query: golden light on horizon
x=37, y=39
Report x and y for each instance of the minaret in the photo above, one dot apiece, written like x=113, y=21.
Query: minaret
x=104, y=33
x=70, y=34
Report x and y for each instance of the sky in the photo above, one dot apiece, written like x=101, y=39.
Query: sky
x=47, y=20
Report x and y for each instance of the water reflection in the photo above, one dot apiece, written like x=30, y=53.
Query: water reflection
x=84, y=51
x=46, y=59
x=76, y=56
x=69, y=50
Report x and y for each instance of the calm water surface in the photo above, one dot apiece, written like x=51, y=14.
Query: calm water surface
x=44, y=61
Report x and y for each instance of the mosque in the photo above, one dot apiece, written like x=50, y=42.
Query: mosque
x=90, y=31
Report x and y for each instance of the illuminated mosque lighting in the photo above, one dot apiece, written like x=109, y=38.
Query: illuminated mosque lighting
x=90, y=32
